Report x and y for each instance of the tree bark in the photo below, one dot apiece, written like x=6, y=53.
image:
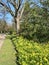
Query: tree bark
x=17, y=25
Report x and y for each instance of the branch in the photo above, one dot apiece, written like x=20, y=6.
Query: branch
x=22, y=10
x=19, y=4
x=14, y=4
x=7, y=8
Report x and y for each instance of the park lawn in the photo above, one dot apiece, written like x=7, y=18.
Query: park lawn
x=7, y=53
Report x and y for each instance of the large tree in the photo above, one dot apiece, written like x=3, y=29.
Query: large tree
x=18, y=6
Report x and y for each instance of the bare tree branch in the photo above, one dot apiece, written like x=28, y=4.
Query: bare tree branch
x=22, y=10
x=14, y=4
x=7, y=8
x=19, y=4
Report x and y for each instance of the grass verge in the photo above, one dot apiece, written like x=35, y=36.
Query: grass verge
x=7, y=53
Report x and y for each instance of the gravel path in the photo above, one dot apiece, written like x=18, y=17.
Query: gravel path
x=2, y=37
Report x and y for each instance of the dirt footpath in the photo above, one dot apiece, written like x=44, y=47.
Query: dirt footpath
x=2, y=37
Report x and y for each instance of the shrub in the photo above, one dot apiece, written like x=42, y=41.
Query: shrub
x=31, y=53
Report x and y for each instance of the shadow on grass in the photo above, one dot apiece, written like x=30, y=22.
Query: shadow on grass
x=17, y=53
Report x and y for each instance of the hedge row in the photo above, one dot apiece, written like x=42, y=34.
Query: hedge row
x=31, y=53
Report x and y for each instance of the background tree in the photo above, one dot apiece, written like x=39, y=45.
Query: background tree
x=35, y=23
x=3, y=26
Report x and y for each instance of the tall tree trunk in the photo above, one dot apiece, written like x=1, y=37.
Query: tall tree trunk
x=17, y=25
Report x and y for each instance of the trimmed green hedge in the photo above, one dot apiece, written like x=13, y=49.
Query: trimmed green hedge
x=31, y=53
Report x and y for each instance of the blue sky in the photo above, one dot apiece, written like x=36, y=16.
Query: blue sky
x=9, y=17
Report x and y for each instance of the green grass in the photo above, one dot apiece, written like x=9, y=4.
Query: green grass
x=7, y=53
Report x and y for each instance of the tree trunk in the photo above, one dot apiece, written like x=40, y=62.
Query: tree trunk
x=17, y=25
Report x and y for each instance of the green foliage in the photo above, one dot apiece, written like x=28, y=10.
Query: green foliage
x=31, y=53
x=35, y=25
x=11, y=36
